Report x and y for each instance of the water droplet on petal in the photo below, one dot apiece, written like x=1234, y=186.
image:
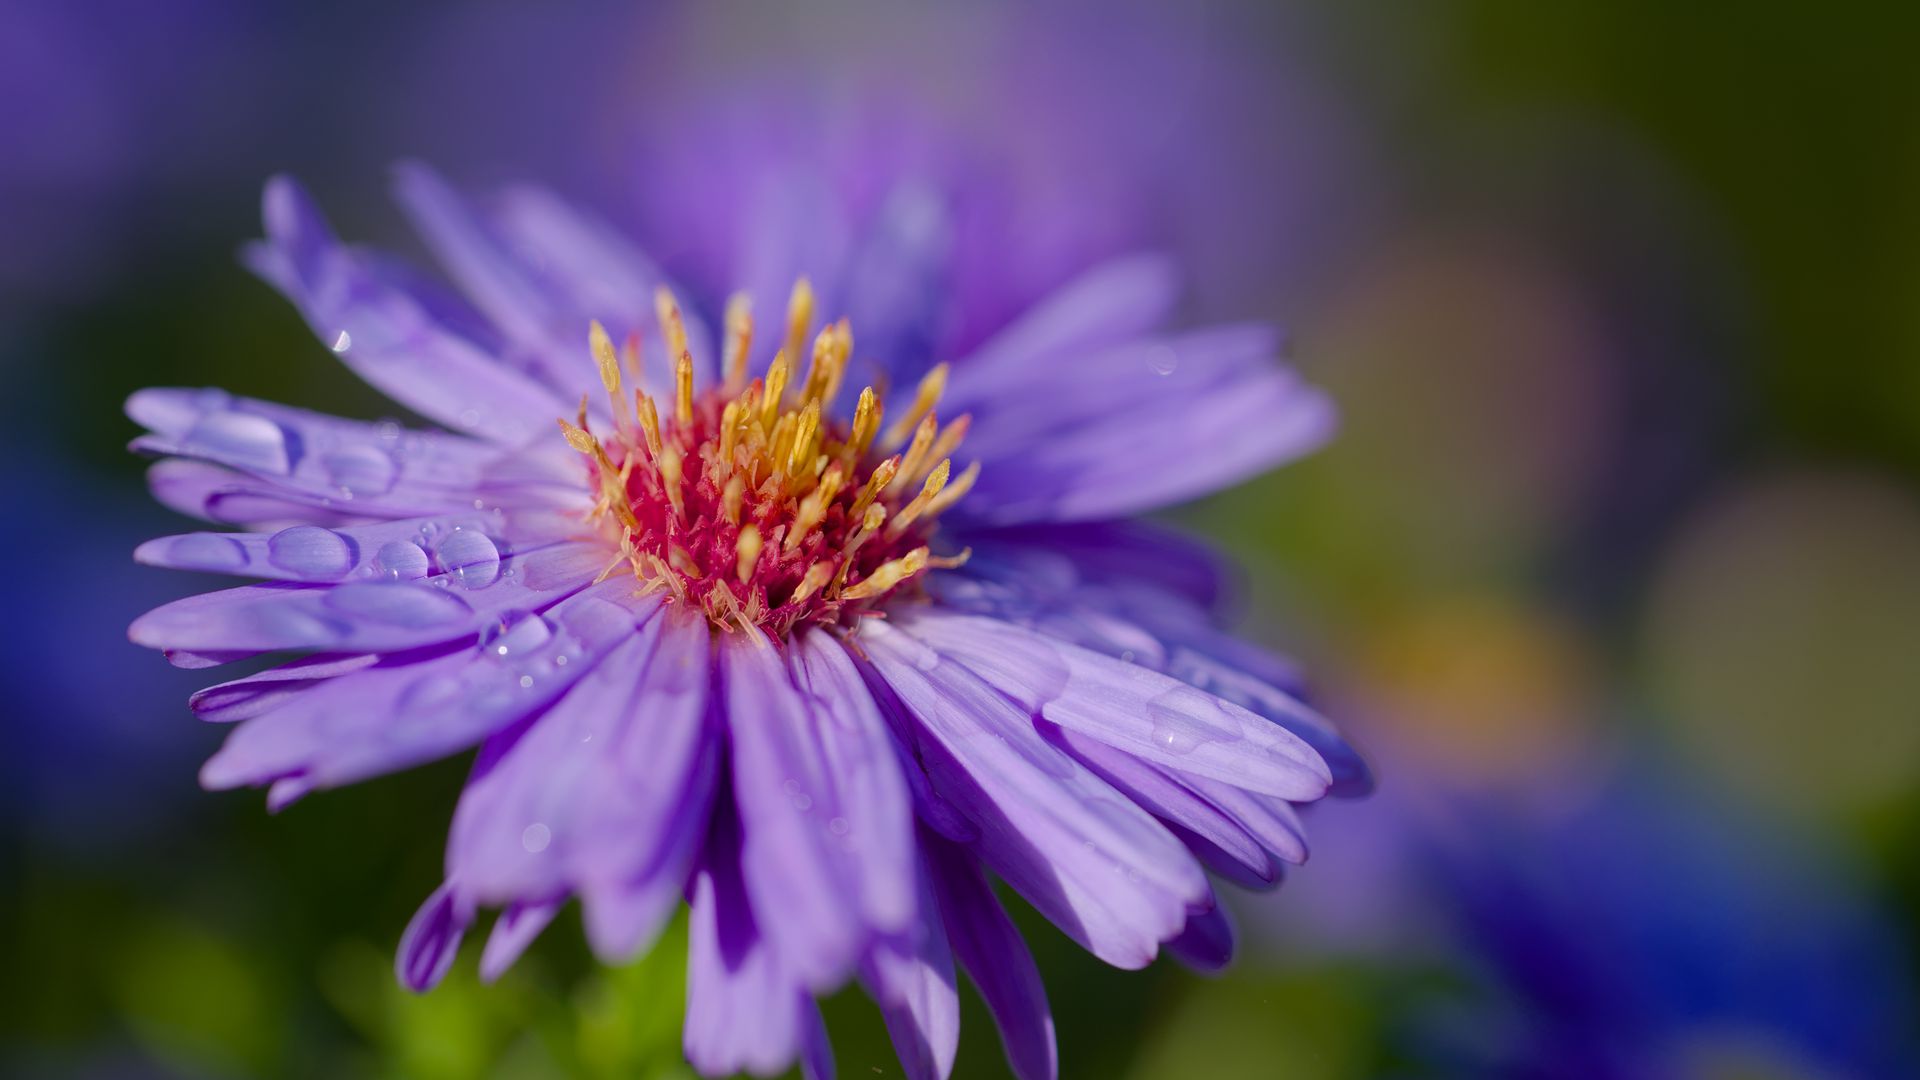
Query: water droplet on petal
x=206, y=551
x=251, y=442
x=342, y=342
x=516, y=634
x=535, y=838
x=401, y=560
x=470, y=557
x=1163, y=360
x=311, y=553
x=430, y=694
x=360, y=469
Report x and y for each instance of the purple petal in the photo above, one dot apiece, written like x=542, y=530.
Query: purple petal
x=911, y=976
x=997, y=960
x=244, y=699
x=412, y=708
x=1173, y=803
x=1206, y=945
x=1127, y=706
x=387, y=336
x=513, y=931
x=387, y=551
x=1110, y=303
x=743, y=1011
x=787, y=797
x=1111, y=435
x=370, y=470
x=1090, y=859
x=588, y=270
x=214, y=493
x=432, y=940
x=874, y=833
x=374, y=616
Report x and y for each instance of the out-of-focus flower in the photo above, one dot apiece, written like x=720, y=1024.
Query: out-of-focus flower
x=738, y=634
x=1781, y=636
x=1650, y=935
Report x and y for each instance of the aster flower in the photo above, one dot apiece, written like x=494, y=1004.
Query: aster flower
x=817, y=644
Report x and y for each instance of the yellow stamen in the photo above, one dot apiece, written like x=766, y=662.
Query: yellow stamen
x=683, y=387
x=883, y=475
x=739, y=342
x=866, y=421
x=924, y=399
x=888, y=574
x=911, y=512
x=649, y=422
x=730, y=499
x=954, y=491
x=749, y=548
x=799, y=316
x=916, y=454
x=775, y=390
x=816, y=578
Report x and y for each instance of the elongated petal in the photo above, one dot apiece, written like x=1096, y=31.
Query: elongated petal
x=387, y=551
x=997, y=960
x=911, y=976
x=802, y=897
x=1110, y=303
x=1090, y=859
x=387, y=336
x=373, y=616
x=432, y=939
x=874, y=832
x=1172, y=802
x=512, y=932
x=743, y=1012
x=411, y=708
x=1206, y=945
x=1130, y=707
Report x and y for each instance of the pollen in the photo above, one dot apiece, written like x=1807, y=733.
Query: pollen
x=753, y=500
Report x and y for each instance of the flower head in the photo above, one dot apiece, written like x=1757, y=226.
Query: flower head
x=817, y=659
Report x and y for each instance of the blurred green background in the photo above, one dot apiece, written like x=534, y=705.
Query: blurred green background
x=1621, y=304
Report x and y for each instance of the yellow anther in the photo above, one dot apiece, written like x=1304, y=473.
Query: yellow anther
x=578, y=438
x=603, y=355
x=729, y=434
x=814, y=580
x=954, y=491
x=799, y=316
x=739, y=342
x=776, y=389
x=932, y=386
x=683, y=389
x=888, y=574
x=749, y=548
x=916, y=455
x=866, y=421
x=649, y=422
x=883, y=475
x=806, y=431
x=673, y=329
x=630, y=358
x=911, y=512
x=730, y=497
x=948, y=441
x=670, y=479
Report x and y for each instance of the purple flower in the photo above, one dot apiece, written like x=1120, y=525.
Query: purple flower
x=741, y=632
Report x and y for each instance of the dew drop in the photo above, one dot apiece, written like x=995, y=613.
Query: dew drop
x=342, y=342
x=311, y=553
x=206, y=551
x=360, y=469
x=431, y=693
x=243, y=439
x=838, y=826
x=535, y=838
x=401, y=560
x=470, y=557
x=515, y=634
x=1162, y=360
